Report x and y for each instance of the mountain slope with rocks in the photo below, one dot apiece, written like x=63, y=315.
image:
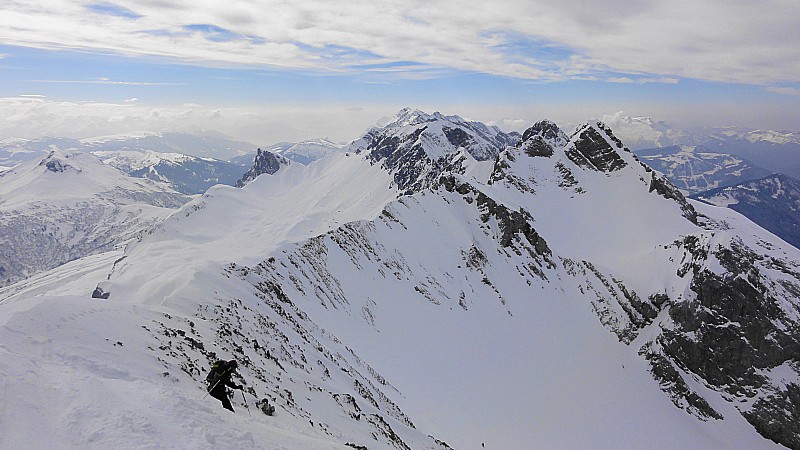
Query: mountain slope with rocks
x=436, y=285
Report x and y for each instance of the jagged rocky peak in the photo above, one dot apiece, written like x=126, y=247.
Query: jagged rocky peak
x=594, y=146
x=410, y=117
x=56, y=162
x=417, y=147
x=547, y=130
x=541, y=138
x=264, y=162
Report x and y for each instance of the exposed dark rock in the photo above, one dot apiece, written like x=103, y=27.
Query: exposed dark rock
x=55, y=164
x=776, y=416
x=547, y=131
x=734, y=331
x=537, y=146
x=663, y=187
x=99, y=292
x=265, y=162
x=512, y=223
x=458, y=137
x=591, y=150
x=673, y=384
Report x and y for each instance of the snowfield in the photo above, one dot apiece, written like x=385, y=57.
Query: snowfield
x=491, y=309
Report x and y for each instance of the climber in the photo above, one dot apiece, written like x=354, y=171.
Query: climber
x=219, y=379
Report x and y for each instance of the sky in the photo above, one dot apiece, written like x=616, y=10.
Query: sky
x=268, y=71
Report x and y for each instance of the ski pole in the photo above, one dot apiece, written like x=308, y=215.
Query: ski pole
x=245, y=404
x=215, y=384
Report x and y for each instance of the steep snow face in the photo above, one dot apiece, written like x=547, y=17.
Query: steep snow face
x=543, y=297
x=69, y=205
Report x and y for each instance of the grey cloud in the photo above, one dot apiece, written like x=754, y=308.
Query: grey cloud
x=743, y=41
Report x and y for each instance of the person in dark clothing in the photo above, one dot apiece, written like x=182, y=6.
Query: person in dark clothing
x=219, y=380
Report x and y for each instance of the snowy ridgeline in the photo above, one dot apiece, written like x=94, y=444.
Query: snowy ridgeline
x=438, y=284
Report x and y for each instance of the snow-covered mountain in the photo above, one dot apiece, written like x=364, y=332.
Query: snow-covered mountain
x=778, y=152
x=696, y=169
x=304, y=152
x=68, y=205
x=207, y=145
x=433, y=286
x=640, y=132
x=185, y=173
x=18, y=150
x=772, y=202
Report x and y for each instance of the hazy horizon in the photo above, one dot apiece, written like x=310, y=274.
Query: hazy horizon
x=264, y=72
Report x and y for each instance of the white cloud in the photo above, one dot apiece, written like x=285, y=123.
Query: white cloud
x=743, y=42
x=794, y=92
x=34, y=117
x=107, y=81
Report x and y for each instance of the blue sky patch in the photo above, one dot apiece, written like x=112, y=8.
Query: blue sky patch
x=110, y=9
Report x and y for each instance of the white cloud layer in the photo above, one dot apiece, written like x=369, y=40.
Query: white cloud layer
x=744, y=41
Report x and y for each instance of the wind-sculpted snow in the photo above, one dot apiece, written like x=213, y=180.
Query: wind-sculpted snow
x=406, y=293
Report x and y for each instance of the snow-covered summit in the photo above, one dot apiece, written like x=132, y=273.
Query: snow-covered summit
x=308, y=151
x=417, y=147
x=407, y=293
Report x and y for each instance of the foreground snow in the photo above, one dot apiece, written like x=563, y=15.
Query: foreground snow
x=375, y=320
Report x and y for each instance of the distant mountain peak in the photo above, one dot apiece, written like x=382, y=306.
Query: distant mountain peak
x=56, y=162
x=265, y=162
x=417, y=147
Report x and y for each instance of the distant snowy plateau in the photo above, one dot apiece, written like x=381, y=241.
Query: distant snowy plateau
x=435, y=284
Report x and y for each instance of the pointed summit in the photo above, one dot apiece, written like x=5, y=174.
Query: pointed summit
x=542, y=138
x=594, y=146
x=417, y=147
x=264, y=162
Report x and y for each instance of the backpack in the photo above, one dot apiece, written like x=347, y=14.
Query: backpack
x=218, y=369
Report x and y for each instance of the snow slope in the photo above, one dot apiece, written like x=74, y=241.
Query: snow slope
x=68, y=205
x=510, y=300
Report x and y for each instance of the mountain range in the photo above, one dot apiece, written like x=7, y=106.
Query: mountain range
x=68, y=205
x=436, y=284
x=772, y=202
